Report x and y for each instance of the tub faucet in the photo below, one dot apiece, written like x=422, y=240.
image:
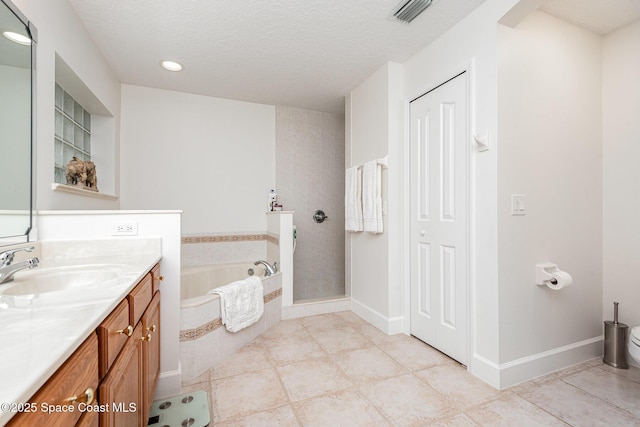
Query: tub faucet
x=269, y=269
x=8, y=269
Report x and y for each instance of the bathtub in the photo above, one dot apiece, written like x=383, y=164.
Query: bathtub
x=204, y=341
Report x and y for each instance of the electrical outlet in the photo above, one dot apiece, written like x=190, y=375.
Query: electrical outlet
x=124, y=228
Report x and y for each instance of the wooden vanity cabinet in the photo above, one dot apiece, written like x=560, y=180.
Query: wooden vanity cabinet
x=116, y=369
x=129, y=383
x=151, y=349
x=75, y=382
x=89, y=419
x=123, y=386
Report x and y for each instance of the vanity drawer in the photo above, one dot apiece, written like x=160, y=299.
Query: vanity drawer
x=156, y=277
x=112, y=335
x=75, y=382
x=139, y=299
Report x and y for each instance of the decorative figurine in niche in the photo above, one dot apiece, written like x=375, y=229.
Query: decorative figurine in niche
x=92, y=179
x=82, y=174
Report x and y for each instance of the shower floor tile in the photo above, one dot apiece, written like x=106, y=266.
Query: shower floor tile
x=335, y=369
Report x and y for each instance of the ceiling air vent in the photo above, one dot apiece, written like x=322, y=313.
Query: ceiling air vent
x=407, y=11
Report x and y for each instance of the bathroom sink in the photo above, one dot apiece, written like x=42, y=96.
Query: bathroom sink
x=39, y=281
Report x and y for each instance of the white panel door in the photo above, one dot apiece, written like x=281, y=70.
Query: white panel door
x=439, y=218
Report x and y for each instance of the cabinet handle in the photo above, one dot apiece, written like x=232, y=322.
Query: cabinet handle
x=128, y=331
x=161, y=278
x=87, y=397
x=147, y=338
x=152, y=328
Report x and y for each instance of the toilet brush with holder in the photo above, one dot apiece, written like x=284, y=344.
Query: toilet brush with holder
x=615, y=341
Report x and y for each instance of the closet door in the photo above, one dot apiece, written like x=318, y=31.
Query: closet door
x=439, y=218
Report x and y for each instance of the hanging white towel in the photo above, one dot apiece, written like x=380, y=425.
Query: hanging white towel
x=353, y=199
x=241, y=303
x=372, y=197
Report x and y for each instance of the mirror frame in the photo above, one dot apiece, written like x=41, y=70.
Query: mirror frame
x=33, y=33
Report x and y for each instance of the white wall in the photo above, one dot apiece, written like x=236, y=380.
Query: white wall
x=373, y=122
x=213, y=158
x=621, y=151
x=61, y=32
x=549, y=85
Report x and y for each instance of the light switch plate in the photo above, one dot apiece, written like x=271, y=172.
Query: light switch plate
x=518, y=206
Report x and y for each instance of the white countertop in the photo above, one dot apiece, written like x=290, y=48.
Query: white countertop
x=39, y=332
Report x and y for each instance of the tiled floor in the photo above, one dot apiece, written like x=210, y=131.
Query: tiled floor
x=337, y=370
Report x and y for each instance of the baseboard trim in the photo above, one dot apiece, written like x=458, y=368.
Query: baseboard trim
x=316, y=307
x=508, y=374
x=486, y=370
x=169, y=384
x=530, y=367
x=388, y=325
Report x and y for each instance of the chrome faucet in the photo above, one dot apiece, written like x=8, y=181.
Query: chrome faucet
x=269, y=269
x=8, y=269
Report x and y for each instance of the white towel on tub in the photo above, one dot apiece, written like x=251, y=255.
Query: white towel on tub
x=241, y=303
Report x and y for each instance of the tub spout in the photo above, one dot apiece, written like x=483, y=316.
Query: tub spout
x=269, y=269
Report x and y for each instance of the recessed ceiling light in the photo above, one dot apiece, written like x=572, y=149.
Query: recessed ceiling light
x=17, y=38
x=172, y=66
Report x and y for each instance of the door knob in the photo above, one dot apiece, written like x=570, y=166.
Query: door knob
x=423, y=233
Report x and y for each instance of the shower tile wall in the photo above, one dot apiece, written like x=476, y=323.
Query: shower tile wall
x=310, y=176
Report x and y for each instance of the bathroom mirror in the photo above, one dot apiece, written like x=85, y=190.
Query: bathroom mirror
x=17, y=50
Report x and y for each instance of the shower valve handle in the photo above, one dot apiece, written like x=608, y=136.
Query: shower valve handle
x=319, y=216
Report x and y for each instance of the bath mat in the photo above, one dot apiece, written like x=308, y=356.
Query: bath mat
x=189, y=409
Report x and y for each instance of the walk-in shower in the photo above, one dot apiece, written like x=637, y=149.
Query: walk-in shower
x=310, y=178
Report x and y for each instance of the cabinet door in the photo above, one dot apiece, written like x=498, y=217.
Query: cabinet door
x=113, y=334
x=75, y=382
x=122, y=390
x=89, y=419
x=151, y=349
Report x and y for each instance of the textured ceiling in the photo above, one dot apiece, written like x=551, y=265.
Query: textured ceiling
x=301, y=53
x=599, y=16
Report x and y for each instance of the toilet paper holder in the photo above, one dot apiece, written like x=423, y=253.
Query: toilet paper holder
x=544, y=274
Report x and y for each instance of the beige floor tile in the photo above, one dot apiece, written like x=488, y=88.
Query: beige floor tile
x=632, y=374
x=368, y=364
x=351, y=318
x=244, y=394
x=512, y=410
x=454, y=382
x=414, y=354
x=278, y=417
x=205, y=377
x=614, y=389
x=378, y=337
x=347, y=408
x=250, y=358
x=323, y=322
x=206, y=386
x=294, y=349
x=311, y=378
x=577, y=407
x=460, y=420
x=579, y=367
x=284, y=329
x=336, y=340
x=408, y=401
